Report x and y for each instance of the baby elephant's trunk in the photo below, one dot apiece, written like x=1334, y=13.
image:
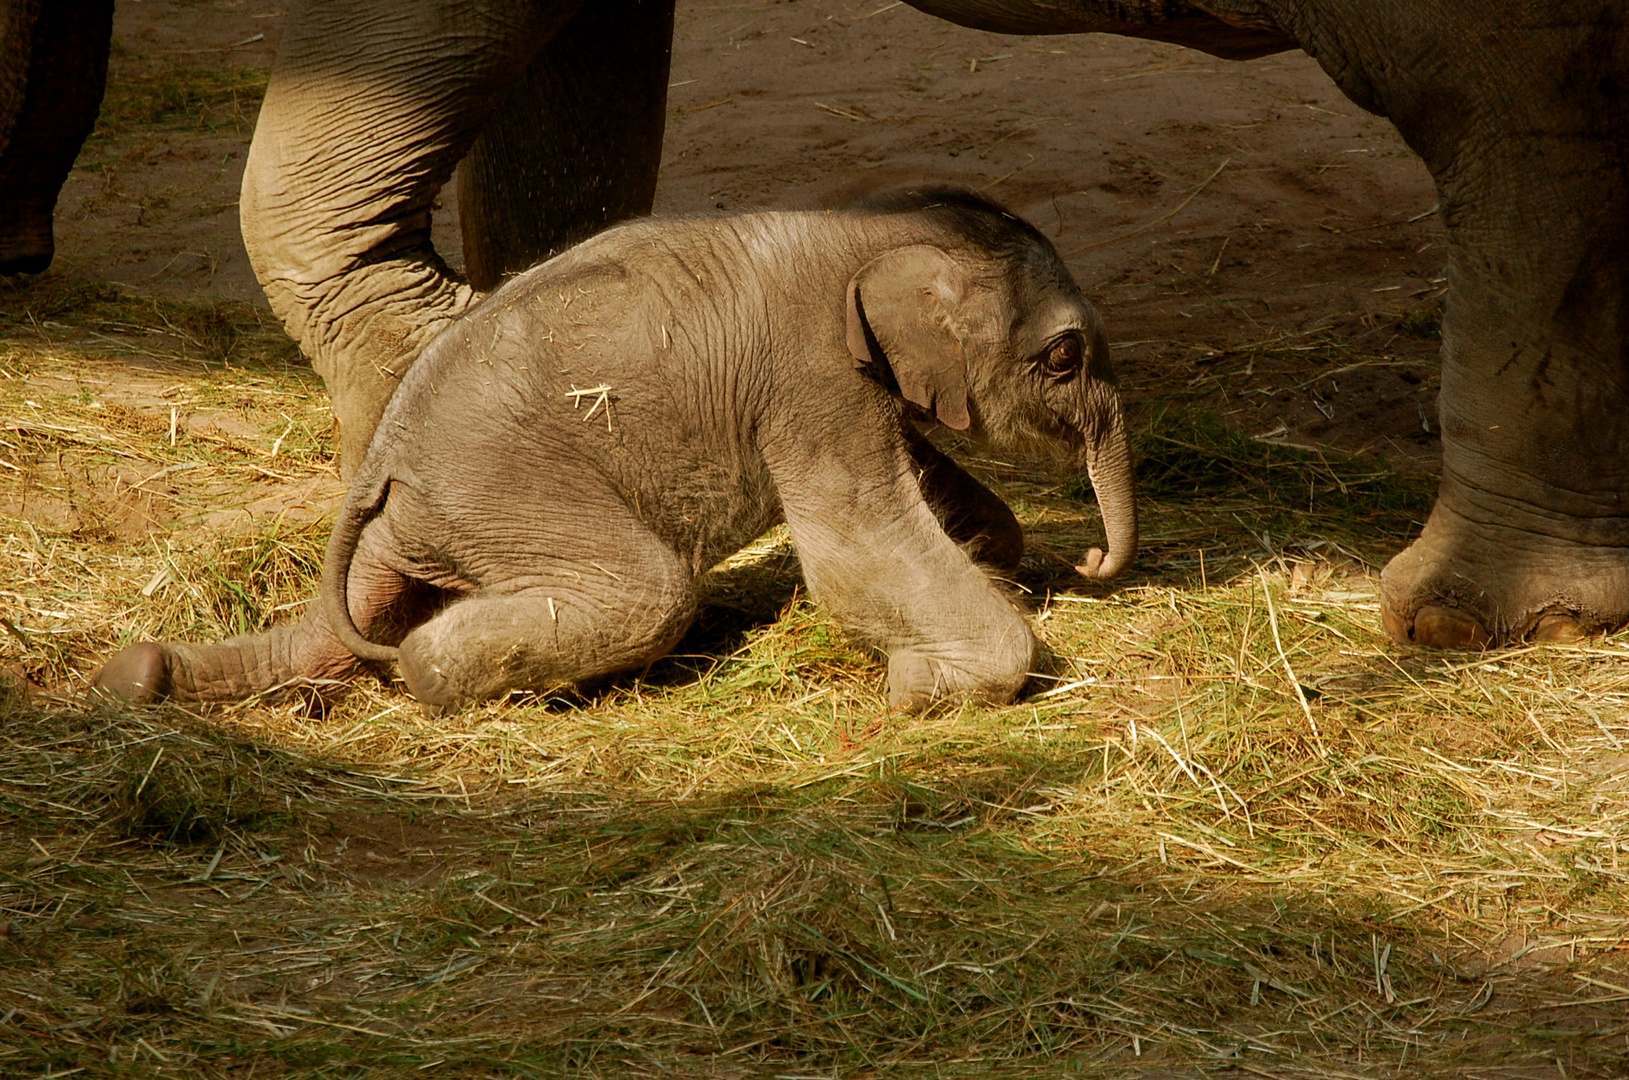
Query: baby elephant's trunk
x=1108, y=463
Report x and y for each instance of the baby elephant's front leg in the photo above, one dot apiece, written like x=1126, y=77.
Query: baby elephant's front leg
x=878, y=559
x=991, y=672
x=972, y=514
x=486, y=646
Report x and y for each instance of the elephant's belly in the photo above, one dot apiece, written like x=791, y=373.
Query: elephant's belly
x=534, y=513
x=707, y=513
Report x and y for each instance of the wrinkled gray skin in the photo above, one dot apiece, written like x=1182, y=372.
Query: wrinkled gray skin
x=1517, y=108
x=556, y=108
x=562, y=463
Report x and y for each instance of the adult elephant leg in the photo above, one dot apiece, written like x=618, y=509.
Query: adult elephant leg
x=370, y=106
x=574, y=146
x=1517, y=110
x=53, y=69
x=1529, y=537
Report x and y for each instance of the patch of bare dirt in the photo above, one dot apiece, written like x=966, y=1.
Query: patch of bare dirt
x=86, y=494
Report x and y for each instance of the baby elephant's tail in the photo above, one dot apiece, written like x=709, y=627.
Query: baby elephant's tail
x=362, y=504
x=324, y=646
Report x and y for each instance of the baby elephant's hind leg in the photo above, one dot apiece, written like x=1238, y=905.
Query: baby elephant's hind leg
x=383, y=604
x=582, y=623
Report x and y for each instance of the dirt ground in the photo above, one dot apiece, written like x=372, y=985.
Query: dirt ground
x=1254, y=240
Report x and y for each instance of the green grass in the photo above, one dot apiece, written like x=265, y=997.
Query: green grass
x=1425, y=324
x=162, y=94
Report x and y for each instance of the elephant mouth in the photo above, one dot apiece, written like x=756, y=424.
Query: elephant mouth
x=1043, y=441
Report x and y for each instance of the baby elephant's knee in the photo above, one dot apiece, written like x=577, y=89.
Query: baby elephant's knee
x=919, y=676
x=472, y=652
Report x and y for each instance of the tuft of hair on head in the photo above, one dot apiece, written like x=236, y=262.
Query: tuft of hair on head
x=979, y=218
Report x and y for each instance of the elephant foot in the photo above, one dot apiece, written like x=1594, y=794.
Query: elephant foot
x=919, y=678
x=26, y=254
x=1469, y=585
x=438, y=694
x=139, y=674
x=28, y=262
x=27, y=241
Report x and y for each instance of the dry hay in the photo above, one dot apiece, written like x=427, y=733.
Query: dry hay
x=1170, y=859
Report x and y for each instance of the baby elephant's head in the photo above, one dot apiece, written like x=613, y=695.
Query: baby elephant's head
x=979, y=323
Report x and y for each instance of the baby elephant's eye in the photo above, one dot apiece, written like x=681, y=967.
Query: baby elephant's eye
x=1064, y=356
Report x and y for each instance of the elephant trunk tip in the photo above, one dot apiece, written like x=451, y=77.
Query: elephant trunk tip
x=1105, y=565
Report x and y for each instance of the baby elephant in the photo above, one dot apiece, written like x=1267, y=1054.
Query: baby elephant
x=563, y=462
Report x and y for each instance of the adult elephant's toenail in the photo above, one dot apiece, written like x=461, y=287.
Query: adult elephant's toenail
x=1558, y=628
x=1444, y=628
x=1394, y=623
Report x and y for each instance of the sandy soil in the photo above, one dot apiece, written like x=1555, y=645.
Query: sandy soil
x=1252, y=238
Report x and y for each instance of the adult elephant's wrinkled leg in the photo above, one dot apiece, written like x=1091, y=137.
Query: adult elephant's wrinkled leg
x=370, y=106
x=1529, y=539
x=53, y=68
x=574, y=146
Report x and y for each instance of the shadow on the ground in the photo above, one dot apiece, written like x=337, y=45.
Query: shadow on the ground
x=223, y=901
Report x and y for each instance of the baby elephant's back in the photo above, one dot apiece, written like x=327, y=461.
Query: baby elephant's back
x=577, y=383
x=503, y=384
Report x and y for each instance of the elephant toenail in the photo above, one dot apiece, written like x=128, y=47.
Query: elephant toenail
x=1394, y=624
x=1444, y=628
x=1558, y=628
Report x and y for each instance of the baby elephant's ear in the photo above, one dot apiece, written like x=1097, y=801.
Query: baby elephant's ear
x=902, y=315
